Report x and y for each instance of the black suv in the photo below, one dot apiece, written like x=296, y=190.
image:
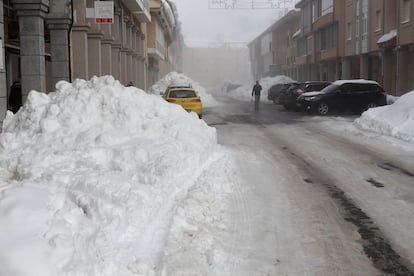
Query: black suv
x=288, y=97
x=275, y=90
x=353, y=95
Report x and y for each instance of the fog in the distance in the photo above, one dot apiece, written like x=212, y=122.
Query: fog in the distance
x=216, y=40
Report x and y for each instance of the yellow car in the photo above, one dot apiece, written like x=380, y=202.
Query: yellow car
x=185, y=96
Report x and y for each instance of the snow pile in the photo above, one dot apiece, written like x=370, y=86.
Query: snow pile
x=245, y=92
x=395, y=120
x=229, y=86
x=89, y=178
x=196, y=245
x=173, y=78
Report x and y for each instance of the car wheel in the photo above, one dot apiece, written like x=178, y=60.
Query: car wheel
x=286, y=106
x=275, y=101
x=371, y=105
x=322, y=108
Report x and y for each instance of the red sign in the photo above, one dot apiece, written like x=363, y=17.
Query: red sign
x=103, y=20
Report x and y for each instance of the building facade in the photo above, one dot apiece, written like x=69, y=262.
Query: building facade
x=212, y=65
x=343, y=39
x=162, y=33
x=46, y=41
x=274, y=51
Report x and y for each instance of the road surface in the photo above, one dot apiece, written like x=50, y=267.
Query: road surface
x=309, y=198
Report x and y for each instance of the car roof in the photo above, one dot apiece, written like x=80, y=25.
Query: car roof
x=340, y=82
x=179, y=86
x=317, y=82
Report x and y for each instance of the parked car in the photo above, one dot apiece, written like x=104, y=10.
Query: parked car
x=353, y=95
x=274, y=91
x=288, y=98
x=185, y=96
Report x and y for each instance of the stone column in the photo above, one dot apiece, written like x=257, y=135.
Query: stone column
x=135, y=55
x=31, y=15
x=95, y=36
x=124, y=64
x=402, y=83
x=59, y=48
x=79, y=43
x=346, y=68
x=116, y=46
x=142, y=67
x=124, y=49
x=116, y=60
x=129, y=52
x=3, y=81
x=363, y=66
x=388, y=71
x=106, y=46
x=58, y=22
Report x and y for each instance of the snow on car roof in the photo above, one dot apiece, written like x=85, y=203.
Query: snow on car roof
x=179, y=85
x=340, y=82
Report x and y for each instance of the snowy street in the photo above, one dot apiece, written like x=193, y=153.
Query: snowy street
x=313, y=197
x=101, y=179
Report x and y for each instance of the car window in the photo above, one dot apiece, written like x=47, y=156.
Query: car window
x=182, y=94
x=349, y=88
x=375, y=88
x=331, y=88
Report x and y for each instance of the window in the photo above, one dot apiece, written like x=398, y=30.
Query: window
x=406, y=8
x=302, y=47
x=327, y=7
x=349, y=28
x=357, y=20
x=379, y=20
x=182, y=94
x=328, y=38
x=309, y=45
x=364, y=19
x=305, y=16
x=315, y=14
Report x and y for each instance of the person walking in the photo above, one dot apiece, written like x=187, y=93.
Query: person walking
x=15, y=97
x=257, y=88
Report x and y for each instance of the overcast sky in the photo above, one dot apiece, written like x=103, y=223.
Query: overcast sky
x=201, y=25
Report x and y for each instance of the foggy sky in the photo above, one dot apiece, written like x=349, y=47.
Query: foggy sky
x=202, y=26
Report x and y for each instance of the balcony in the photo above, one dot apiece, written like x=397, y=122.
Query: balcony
x=140, y=9
x=301, y=60
x=323, y=21
x=329, y=53
x=158, y=52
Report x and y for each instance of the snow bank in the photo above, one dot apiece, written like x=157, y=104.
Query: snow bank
x=89, y=176
x=245, y=92
x=177, y=78
x=395, y=120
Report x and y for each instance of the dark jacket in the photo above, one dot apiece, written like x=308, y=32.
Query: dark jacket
x=256, y=89
x=15, y=97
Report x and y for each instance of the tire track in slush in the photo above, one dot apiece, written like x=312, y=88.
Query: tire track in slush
x=373, y=241
x=240, y=225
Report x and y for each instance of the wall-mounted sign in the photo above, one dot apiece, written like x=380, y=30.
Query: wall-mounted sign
x=104, y=11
